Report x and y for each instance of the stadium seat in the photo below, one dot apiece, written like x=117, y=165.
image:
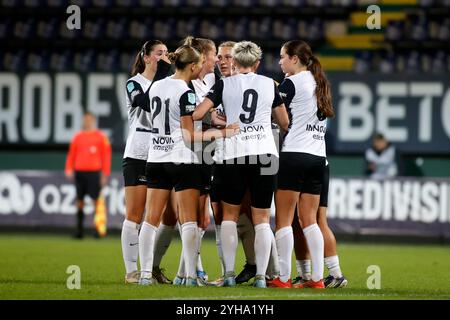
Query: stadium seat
x=15, y=61
x=38, y=61
x=57, y=3
x=395, y=30
x=340, y=37
x=363, y=62
x=387, y=62
x=85, y=61
x=413, y=63
x=108, y=61
x=5, y=28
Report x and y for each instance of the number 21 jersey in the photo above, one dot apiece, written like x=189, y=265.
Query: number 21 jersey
x=170, y=99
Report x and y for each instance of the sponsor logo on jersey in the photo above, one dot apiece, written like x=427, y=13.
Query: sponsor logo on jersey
x=318, y=137
x=163, y=140
x=252, y=129
x=164, y=144
x=190, y=108
x=318, y=128
x=134, y=94
x=256, y=132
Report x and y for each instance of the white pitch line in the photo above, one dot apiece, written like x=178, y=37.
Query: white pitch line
x=249, y=297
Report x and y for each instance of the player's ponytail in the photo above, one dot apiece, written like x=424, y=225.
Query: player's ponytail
x=184, y=56
x=139, y=64
x=323, y=89
x=173, y=57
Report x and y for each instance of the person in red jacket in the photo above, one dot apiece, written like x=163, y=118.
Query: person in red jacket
x=89, y=164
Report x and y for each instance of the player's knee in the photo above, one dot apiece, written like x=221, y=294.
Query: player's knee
x=134, y=213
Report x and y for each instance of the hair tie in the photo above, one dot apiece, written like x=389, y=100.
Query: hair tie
x=143, y=49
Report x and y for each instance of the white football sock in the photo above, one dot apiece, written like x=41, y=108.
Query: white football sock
x=332, y=264
x=219, y=247
x=305, y=269
x=299, y=268
x=201, y=233
x=273, y=268
x=274, y=258
x=181, y=267
x=314, y=239
x=147, y=242
x=189, y=238
x=162, y=243
x=130, y=245
x=285, y=244
x=229, y=239
x=263, y=243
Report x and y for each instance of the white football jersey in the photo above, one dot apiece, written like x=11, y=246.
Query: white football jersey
x=138, y=119
x=248, y=99
x=307, y=127
x=170, y=99
x=202, y=87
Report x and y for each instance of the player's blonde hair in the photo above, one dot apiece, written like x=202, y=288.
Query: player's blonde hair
x=246, y=53
x=184, y=56
x=227, y=44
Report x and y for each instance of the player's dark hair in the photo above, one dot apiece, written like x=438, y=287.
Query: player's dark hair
x=303, y=51
x=184, y=56
x=139, y=64
x=202, y=45
x=378, y=136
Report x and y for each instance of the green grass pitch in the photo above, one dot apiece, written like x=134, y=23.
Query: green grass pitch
x=34, y=267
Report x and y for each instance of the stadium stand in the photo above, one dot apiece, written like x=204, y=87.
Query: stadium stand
x=37, y=38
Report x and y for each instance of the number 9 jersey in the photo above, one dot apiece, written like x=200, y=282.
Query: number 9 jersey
x=170, y=99
x=248, y=98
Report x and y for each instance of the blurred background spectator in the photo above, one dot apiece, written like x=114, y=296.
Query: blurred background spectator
x=382, y=159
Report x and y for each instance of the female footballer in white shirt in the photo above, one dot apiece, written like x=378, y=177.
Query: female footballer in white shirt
x=171, y=164
x=307, y=95
x=149, y=66
x=251, y=100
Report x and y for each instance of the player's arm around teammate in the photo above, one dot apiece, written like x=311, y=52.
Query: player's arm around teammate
x=171, y=163
x=250, y=99
x=200, y=86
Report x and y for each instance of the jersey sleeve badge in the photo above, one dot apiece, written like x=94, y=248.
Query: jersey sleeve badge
x=191, y=99
x=130, y=87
